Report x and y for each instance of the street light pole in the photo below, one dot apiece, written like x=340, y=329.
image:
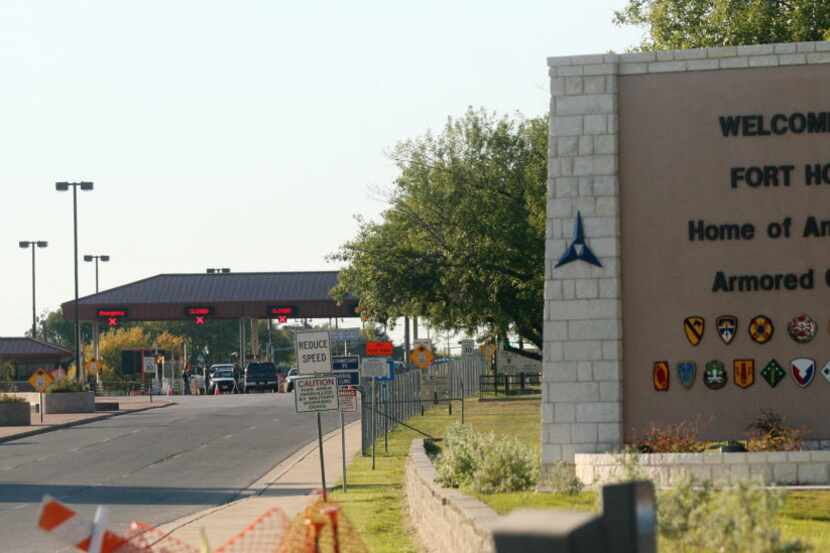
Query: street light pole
x=63, y=187
x=34, y=244
x=96, y=335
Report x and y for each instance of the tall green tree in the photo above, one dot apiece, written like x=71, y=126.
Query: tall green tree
x=676, y=24
x=462, y=241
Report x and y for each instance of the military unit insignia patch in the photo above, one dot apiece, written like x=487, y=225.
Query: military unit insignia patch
x=714, y=377
x=661, y=376
x=744, y=372
x=803, y=370
x=727, y=326
x=686, y=371
x=761, y=329
x=802, y=328
x=826, y=371
x=773, y=373
x=694, y=327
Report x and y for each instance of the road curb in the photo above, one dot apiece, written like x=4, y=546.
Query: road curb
x=259, y=486
x=70, y=424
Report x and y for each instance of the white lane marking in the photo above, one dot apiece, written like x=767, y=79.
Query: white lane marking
x=18, y=507
x=203, y=446
x=39, y=459
x=75, y=449
x=227, y=436
x=252, y=428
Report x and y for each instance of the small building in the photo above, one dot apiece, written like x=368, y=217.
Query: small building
x=28, y=355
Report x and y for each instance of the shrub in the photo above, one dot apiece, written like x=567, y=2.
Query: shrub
x=671, y=438
x=485, y=463
x=4, y=398
x=769, y=432
x=682, y=510
x=459, y=454
x=65, y=385
x=505, y=465
x=697, y=516
x=561, y=478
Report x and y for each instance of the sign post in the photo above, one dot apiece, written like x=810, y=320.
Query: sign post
x=315, y=394
x=318, y=392
x=40, y=380
x=374, y=368
x=348, y=402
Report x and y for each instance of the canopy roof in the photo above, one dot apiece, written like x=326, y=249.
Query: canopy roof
x=14, y=348
x=227, y=296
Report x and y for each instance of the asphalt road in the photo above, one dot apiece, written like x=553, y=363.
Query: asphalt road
x=154, y=466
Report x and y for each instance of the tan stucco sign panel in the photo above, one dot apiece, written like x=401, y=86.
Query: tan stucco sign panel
x=715, y=204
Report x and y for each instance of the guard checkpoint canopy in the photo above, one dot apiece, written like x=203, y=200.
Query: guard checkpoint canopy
x=169, y=297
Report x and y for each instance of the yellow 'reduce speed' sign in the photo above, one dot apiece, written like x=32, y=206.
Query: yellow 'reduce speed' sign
x=40, y=380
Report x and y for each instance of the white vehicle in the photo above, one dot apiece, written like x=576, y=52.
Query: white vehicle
x=223, y=377
x=292, y=375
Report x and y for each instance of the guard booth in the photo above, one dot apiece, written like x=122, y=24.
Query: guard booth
x=146, y=364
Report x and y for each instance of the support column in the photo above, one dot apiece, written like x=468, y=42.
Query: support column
x=582, y=375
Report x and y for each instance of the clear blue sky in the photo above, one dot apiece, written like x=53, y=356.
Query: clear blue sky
x=241, y=134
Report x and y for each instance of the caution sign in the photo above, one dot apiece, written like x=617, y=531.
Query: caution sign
x=313, y=394
x=313, y=352
x=40, y=380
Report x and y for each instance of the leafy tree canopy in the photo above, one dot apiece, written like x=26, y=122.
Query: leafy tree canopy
x=676, y=24
x=462, y=241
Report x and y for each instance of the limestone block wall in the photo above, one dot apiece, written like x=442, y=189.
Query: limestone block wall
x=447, y=520
x=779, y=468
x=583, y=354
x=582, y=409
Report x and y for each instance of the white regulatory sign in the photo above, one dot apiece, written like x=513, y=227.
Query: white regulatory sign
x=313, y=394
x=348, y=400
x=374, y=367
x=313, y=352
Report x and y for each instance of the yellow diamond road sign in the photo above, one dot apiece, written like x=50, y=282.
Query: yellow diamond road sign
x=40, y=380
x=421, y=357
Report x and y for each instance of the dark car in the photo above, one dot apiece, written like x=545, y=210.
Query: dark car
x=260, y=376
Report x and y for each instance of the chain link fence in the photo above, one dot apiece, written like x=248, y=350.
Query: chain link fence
x=413, y=390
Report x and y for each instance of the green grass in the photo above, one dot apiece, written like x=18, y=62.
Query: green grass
x=375, y=502
x=376, y=506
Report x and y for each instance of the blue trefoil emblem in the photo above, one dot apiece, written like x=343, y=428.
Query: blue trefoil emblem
x=578, y=250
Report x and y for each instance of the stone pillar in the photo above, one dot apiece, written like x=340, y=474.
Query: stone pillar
x=582, y=369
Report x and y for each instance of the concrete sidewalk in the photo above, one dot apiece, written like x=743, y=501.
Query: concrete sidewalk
x=289, y=486
x=126, y=404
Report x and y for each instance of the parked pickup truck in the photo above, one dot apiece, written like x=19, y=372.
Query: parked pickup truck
x=260, y=376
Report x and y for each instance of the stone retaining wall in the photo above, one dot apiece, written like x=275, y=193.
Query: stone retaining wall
x=666, y=469
x=447, y=521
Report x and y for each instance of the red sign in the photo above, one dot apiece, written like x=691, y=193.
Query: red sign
x=113, y=316
x=281, y=313
x=199, y=314
x=379, y=349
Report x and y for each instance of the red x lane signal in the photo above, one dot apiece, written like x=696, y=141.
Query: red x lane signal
x=199, y=314
x=113, y=316
x=282, y=312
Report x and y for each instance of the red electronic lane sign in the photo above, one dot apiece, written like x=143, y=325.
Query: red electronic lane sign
x=112, y=315
x=199, y=314
x=379, y=349
x=282, y=312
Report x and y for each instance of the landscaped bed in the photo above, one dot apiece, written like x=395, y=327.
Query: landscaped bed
x=377, y=507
